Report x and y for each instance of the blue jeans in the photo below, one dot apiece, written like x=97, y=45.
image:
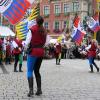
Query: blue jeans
x=91, y=60
x=31, y=60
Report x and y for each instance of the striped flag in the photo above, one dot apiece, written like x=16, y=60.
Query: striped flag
x=93, y=23
x=76, y=21
x=14, y=10
x=77, y=35
x=32, y=17
x=78, y=32
x=35, y=13
x=22, y=28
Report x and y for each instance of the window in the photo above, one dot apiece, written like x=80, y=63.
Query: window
x=46, y=10
x=57, y=9
x=57, y=25
x=64, y=24
x=46, y=25
x=66, y=8
x=75, y=6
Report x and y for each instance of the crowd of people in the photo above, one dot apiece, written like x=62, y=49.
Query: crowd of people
x=69, y=51
x=11, y=49
x=66, y=50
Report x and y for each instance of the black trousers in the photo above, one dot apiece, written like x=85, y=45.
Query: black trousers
x=8, y=59
x=37, y=72
x=16, y=61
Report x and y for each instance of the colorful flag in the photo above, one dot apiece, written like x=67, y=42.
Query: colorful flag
x=14, y=10
x=77, y=35
x=93, y=24
x=61, y=38
x=22, y=28
x=35, y=13
x=78, y=32
x=76, y=21
x=96, y=16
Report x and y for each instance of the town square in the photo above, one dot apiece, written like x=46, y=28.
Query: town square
x=49, y=49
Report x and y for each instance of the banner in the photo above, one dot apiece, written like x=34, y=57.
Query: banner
x=35, y=12
x=93, y=24
x=78, y=31
x=22, y=28
x=14, y=10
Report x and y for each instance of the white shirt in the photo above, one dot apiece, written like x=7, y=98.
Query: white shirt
x=14, y=44
x=28, y=39
x=87, y=48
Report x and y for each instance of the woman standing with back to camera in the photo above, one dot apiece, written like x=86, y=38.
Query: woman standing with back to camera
x=36, y=38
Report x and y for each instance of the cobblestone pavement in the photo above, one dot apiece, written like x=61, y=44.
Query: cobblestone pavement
x=68, y=81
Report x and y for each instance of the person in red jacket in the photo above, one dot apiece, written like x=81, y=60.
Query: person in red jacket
x=36, y=38
x=17, y=51
x=91, y=53
x=8, y=53
x=58, y=53
x=20, y=55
